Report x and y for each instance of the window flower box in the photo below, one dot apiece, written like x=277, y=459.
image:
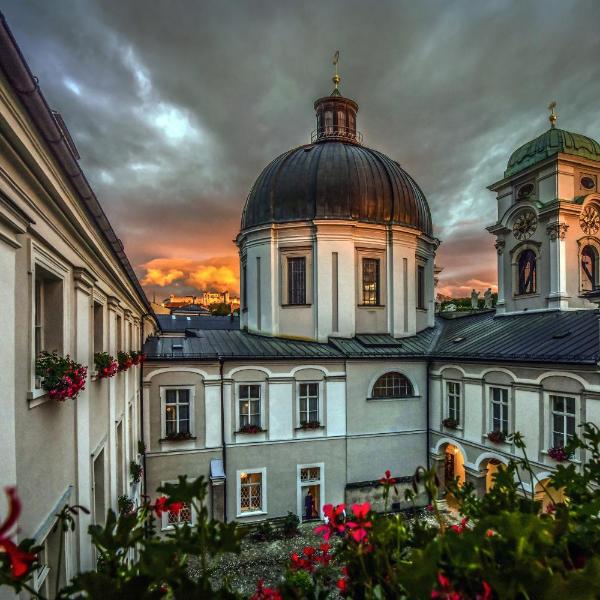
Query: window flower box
x=137, y=357
x=106, y=365
x=310, y=425
x=180, y=435
x=60, y=376
x=496, y=436
x=124, y=360
x=450, y=423
x=251, y=429
x=559, y=454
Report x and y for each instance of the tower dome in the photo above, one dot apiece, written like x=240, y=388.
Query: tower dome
x=336, y=177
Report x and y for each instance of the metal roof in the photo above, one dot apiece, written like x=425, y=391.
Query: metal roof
x=548, y=337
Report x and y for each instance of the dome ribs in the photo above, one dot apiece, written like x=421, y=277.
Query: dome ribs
x=336, y=180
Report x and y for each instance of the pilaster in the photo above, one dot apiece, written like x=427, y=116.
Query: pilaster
x=557, y=297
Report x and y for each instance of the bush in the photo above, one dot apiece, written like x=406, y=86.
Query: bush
x=125, y=504
x=263, y=532
x=290, y=524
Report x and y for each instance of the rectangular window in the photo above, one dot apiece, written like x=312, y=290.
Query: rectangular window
x=563, y=420
x=251, y=492
x=499, y=397
x=177, y=518
x=249, y=399
x=370, y=281
x=308, y=395
x=119, y=335
x=421, y=287
x=177, y=412
x=296, y=280
x=453, y=398
x=98, y=327
x=47, y=312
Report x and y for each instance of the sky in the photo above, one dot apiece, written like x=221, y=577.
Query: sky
x=176, y=107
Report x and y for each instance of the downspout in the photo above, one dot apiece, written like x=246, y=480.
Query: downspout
x=223, y=446
x=141, y=393
x=428, y=409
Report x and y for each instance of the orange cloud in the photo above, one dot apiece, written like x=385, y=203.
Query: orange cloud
x=216, y=274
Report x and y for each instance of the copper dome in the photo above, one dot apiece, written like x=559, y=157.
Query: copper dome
x=334, y=179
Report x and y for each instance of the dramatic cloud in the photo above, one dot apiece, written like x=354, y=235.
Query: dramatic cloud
x=216, y=274
x=177, y=106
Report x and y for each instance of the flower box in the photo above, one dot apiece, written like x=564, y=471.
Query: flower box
x=450, y=423
x=125, y=361
x=559, y=454
x=310, y=425
x=137, y=357
x=498, y=437
x=175, y=437
x=106, y=365
x=60, y=376
x=251, y=429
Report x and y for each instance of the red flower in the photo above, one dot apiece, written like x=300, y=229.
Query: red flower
x=487, y=592
x=264, y=593
x=334, y=521
x=361, y=510
x=20, y=561
x=444, y=591
x=162, y=505
x=309, y=551
x=342, y=585
x=358, y=528
x=387, y=479
x=490, y=533
x=461, y=526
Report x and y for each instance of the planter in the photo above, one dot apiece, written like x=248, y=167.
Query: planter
x=310, y=425
x=176, y=437
x=125, y=361
x=137, y=357
x=559, y=454
x=60, y=376
x=106, y=365
x=251, y=429
x=450, y=423
x=498, y=437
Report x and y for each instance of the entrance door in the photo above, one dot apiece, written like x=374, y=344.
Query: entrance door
x=310, y=492
x=449, y=468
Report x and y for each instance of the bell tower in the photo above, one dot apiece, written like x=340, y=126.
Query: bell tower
x=548, y=227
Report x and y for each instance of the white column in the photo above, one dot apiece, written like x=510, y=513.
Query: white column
x=500, y=303
x=336, y=405
x=212, y=414
x=113, y=306
x=9, y=245
x=84, y=355
x=146, y=400
x=557, y=297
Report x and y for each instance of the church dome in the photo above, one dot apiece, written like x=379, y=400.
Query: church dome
x=337, y=178
x=553, y=141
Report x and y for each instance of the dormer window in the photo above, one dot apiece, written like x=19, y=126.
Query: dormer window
x=525, y=191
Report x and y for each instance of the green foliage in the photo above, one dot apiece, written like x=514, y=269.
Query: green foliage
x=135, y=471
x=125, y=504
x=220, y=309
x=290, y=524
x=264, y=532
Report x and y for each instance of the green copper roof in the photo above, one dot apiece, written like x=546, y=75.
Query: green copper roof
x=548, y=144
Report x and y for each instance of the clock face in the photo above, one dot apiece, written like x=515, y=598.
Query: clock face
x=525, y=225
x=589, y=220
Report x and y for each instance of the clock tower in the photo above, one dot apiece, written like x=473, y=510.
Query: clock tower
x=548, y=228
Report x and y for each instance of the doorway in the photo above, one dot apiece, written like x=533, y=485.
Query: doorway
x=310, y=491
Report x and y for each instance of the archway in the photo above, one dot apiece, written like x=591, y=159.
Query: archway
x=493, y=466
x=454, y=465
x=547, y=494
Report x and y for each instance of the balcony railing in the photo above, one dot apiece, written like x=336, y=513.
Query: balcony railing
x=337, y=133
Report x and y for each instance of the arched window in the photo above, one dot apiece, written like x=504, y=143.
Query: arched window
x=392, y=385
x=527, y=272
x=328, y=122
x=589, y=268
x=341, y=122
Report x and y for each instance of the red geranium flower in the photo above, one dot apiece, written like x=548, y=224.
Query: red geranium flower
x=461, y=526
x=387, y=479
x=162, y=505
x=358, y=528
x=264, y=593
x=20, y=561
x=334, y=521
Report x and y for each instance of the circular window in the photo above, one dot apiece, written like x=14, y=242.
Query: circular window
x=525, y=190
x=588, y=183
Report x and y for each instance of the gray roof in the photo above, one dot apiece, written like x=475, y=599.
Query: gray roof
x=548, y=337
x=179, y=323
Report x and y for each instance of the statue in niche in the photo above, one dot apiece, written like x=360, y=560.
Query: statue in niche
x=474, y=300
x=487, y=298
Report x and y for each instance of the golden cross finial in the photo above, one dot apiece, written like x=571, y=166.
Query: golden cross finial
x=553, y=116
x=336, y=78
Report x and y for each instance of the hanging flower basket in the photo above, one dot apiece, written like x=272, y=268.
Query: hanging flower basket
x=124, y=360
x=106, y=365
x=450, y=423
x=251, y=429
x=310, y=425
x=496, y=436
x=135, y=471
x=559, y=454
x=61, y=377
x=137, y=357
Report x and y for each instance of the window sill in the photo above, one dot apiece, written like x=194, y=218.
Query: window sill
x=37, y=397
x=176, y=440
x=305, y=305
x=524, y=296
x=574, y=460
x=421, y=309
x=370, y=399
x=309, y=428
x=250, y=432
x=370, y=305
x=485, y=438
x=451, y=429
x=256, y=513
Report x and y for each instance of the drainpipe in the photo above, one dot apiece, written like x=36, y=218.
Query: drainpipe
x=141, y=393
x=428, y=409
x=223, y=446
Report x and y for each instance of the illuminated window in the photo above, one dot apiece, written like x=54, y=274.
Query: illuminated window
x=392, y=385
x=370, y=281
x=177, y=412
x=251, y=492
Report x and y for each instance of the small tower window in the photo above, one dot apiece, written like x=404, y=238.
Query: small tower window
x=589, y=268
x=527, y=272
x=297, y=280
x=328, y=122
x=341, y=122
x=588, y=183
x=525, y=191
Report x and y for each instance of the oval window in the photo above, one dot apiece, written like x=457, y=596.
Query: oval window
x=525, y=190
x=588, y=183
